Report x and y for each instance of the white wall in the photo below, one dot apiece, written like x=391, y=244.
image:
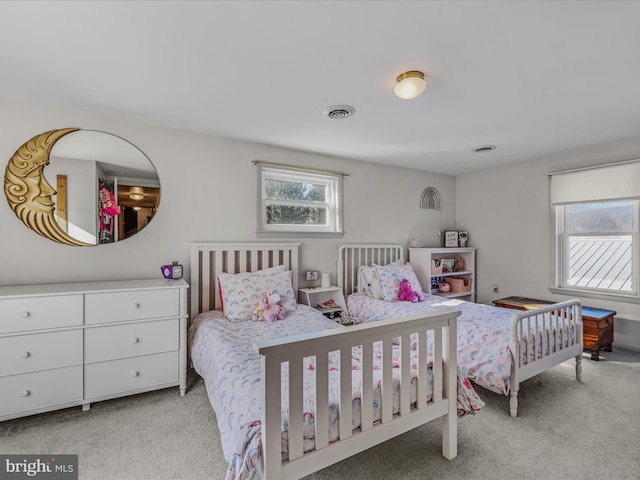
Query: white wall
x=506, y=211
x=82, y=207
x=208, y=193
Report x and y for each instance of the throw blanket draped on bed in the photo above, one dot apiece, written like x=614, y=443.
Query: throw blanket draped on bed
x=223, y=354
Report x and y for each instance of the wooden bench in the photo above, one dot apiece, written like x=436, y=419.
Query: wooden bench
x=597, y=323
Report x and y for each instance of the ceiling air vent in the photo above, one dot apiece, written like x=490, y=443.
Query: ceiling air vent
x=485, y=149
x=339, y=112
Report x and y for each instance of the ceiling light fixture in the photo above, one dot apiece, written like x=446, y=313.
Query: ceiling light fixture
x=410, y=84
x=136, y=193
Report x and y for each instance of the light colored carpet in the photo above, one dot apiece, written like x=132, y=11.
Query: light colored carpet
x=565, y=430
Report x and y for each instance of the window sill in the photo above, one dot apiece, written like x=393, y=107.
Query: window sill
x=612, y=297
x=271, y=234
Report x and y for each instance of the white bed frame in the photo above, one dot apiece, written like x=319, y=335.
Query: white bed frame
x=209, y=259
x=556, y=316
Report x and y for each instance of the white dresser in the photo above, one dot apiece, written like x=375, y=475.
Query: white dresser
x=76, y=343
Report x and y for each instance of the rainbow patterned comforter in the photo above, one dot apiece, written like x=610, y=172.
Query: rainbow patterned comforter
x=222, y=353
x=484, y=333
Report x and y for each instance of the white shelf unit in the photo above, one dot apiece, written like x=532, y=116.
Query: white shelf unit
x=420, y=259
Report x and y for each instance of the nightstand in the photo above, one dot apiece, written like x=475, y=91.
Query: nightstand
x=314, y=297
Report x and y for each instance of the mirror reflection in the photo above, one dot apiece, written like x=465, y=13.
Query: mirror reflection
x=82, y=187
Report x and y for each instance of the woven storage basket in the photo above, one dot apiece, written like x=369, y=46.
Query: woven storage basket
x=459, y=284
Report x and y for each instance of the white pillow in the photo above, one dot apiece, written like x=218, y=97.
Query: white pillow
x=241, y=292
x=265, y=271
x=369, y=281
x=269, y=271
x=390, y=277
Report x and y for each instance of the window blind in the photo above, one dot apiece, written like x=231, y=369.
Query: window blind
x=608, y=182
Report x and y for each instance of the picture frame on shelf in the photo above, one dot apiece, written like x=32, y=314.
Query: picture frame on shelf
x=436, y=266
x=451, y=238
x=447, y=265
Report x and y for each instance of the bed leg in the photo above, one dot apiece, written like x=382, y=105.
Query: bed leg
x=513, y=403
x=450, y=436
x=578, y=367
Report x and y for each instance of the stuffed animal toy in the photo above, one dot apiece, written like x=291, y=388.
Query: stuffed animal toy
x=444, y=287
x=407, y=294
x=269, y=309
x=258, y=312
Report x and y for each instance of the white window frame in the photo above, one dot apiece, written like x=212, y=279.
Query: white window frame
x=562, y=257
x=593, y=184
x=333, y=201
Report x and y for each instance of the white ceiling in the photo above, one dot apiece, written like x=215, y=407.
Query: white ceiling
x=533, y=78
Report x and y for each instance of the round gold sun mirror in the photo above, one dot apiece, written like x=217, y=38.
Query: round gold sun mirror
x=82, y=187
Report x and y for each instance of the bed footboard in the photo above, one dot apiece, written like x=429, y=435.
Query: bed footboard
x=294, y=350
x=543, y=338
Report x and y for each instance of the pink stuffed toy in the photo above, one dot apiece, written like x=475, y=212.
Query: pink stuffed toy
x=269, y=309
x=407, y=294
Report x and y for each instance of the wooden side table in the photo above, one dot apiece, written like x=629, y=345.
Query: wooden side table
x=597, y=330
x=520, y=303
x=597, y=324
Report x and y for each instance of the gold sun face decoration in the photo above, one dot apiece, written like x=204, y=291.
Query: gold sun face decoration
x=28, y=192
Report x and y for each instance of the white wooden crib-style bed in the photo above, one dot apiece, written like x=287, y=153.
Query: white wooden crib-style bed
x=528, y=342
x=283, y=362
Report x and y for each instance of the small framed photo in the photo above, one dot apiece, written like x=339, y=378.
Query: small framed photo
x=447, y=265
x=451, y=238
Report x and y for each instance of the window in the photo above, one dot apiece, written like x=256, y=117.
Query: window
x=598, y=241
x=596, y=231
x=299, y=200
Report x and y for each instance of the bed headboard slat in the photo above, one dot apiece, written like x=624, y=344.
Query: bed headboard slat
x=210, y=259
x=206, y=274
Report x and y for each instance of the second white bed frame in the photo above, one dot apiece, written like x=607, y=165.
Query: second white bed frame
x=209, y=259
x=558, y=317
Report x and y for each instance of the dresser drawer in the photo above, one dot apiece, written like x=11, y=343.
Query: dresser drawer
x=120, y=341
x=36, y=313
x=47, y=389
x=118, y=376
x=132, y=305
x=28, y=353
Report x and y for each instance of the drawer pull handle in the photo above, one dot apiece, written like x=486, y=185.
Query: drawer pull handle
x=26, y=354
x=25, y=393
x=135, y=340
x=136, y=305
x=26, y=314
x=135, y=373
